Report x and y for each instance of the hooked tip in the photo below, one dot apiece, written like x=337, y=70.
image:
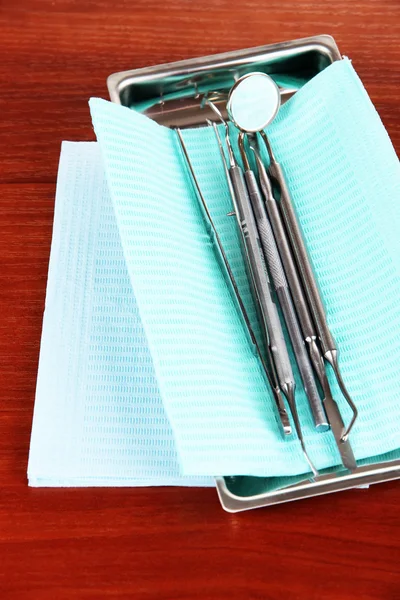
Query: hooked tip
x=289, y=392
x=268, y=147
x=332, y=357
x=216, y=110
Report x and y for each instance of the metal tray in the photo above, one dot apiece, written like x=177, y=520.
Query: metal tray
x=171, y=94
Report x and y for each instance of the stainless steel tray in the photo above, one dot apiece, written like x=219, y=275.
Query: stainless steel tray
x=171, y=94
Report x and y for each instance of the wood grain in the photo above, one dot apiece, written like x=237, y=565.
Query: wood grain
x=157, y=543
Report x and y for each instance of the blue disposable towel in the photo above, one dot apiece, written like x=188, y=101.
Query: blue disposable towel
x=345, y=181
x=99, y=418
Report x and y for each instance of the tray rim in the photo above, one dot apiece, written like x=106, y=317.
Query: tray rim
x=328, y=484
x=117, y=82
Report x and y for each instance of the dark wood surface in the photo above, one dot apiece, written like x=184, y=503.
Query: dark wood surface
x=157, y=543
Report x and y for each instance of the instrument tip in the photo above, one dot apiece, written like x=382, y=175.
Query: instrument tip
x=289, y=392
x=332, y=358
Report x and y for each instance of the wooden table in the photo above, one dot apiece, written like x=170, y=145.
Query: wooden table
x=157, y=543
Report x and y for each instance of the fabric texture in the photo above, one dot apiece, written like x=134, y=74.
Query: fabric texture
x=99, y=418
x=344, y=177
x=146, y=375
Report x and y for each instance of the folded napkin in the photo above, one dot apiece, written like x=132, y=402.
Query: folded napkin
x=150, y=350
x=99, y=418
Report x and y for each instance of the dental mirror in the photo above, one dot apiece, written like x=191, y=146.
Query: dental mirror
x=253, y=102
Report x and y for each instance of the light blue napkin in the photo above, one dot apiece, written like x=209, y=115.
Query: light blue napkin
x=99, y=418
x=345, y=181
